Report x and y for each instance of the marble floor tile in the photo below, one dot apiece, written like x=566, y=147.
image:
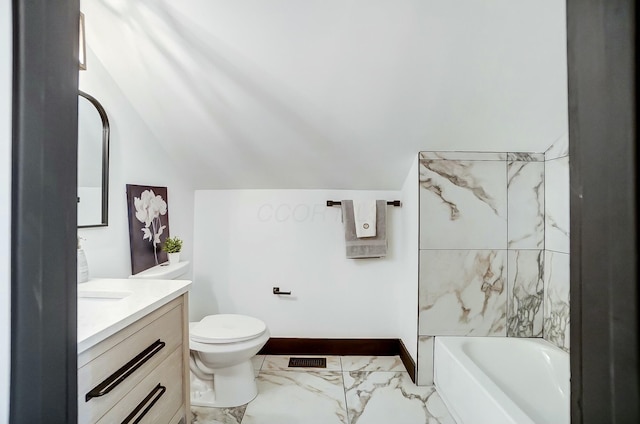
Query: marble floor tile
x=281, y=363
x=372, y=363
x=383, y=397
x=201, y=415
x=292, y=397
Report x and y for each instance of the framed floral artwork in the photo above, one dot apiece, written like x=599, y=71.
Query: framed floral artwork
x=148, y=212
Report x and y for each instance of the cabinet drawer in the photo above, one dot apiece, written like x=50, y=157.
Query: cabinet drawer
x=127, y=360
x=156, y=399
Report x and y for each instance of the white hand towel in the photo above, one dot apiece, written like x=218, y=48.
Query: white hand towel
x=370, y=247
x=364, y=214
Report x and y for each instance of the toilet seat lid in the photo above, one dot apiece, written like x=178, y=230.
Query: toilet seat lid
x=226, y=328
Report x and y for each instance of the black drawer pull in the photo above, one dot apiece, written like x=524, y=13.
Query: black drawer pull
x=125, y=371
x=154, y=396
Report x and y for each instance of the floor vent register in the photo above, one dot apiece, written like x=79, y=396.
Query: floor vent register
x=308, y=362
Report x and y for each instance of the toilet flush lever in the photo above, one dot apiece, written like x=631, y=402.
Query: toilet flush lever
x=276, y=290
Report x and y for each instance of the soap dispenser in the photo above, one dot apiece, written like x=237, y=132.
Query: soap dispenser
x=83, y=266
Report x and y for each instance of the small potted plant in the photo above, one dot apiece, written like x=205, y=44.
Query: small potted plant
x=173, y=246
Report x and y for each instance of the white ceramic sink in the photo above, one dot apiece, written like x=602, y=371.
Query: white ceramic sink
x=107, y=296
x=95, y=300
x=108, y=305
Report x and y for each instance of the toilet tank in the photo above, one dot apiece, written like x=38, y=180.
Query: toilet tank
x=164, y=271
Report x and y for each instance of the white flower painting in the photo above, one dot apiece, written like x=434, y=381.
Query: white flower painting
x=148, y=225
x=149, y=208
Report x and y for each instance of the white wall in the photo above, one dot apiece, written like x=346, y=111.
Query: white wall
x=248, y=241
x=5, y=206
x=236, y=88
x=407, y=287
x=135, y=158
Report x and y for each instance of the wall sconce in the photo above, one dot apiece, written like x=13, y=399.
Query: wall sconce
x=82, y=48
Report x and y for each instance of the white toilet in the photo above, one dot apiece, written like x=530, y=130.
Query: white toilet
x=221, y=347
x=221, y=350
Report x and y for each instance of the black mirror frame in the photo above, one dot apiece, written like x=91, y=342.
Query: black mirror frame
x=105, y=161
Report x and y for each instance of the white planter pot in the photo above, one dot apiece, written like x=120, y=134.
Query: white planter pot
x=174, y=258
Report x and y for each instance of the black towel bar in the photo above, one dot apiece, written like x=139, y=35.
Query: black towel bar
x=338, y=203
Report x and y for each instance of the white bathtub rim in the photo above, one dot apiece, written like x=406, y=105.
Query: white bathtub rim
x=547, y=348
x=499, y=399
x=445, y=399
x=555, y=355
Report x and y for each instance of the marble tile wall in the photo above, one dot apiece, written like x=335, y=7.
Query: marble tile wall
x=482, y=237
x=556, y=272
x=455, y=195
x=425, y=360
x=556, y=299
x=557, y=205
x=526, y=230
x=525, y=288
x=559, y=148
x=526, y=213
x=462, y=293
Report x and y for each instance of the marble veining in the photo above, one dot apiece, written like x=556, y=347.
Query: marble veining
x=526, y=214
x=462, y=292
x=377, y=397
x=557, y=226
x=558, y=149
x=455, y=196
x=457, y=173
x=372, y=363
x=349, y=395
x=489, y=226
x=430, y=185
x=526, y=157
x=525, y=293
x=298, y=397
x=202, y=415
x=556, y=299
x=484, y=156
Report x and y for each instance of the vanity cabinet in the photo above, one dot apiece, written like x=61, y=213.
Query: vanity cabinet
x=139, y=374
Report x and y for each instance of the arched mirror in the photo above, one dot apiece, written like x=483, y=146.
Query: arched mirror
x=93, y=162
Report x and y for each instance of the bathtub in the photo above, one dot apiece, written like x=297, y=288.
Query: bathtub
x=500, y=380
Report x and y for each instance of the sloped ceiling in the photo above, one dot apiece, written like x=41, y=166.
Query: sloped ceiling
x=336, y=94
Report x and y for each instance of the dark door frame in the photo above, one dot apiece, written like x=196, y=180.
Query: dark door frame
x=603, y=155
x=604, y=249
x=43, y=212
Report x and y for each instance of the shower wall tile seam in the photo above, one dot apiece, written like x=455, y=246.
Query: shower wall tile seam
x=496, y=248
x=506, y=283
x=557, y=251
x=556, y=158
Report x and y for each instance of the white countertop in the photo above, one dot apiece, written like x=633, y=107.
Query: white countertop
x=99, y=320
